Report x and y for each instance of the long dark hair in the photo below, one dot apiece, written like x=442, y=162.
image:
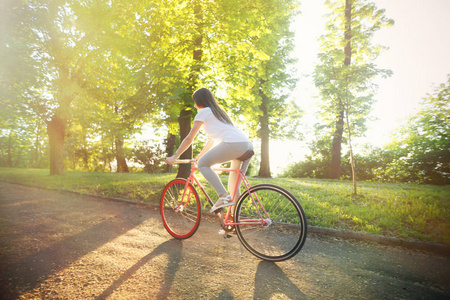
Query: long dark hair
x=204, y=98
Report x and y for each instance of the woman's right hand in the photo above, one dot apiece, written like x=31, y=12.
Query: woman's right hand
x=171, y=160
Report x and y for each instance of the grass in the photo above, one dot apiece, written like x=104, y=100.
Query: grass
x=134, y=186
x=411, y=211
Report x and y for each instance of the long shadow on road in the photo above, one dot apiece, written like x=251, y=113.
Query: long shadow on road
x=38, y=266
x=173, y=249
x=22, y=274
x=267, y=286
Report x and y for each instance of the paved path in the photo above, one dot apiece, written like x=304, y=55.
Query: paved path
x=63, y=246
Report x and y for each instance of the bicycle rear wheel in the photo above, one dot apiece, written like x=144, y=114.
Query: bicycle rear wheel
x=181, y=215
x=285, y=232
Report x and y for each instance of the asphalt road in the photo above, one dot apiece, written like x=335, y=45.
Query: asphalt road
x=63, y=246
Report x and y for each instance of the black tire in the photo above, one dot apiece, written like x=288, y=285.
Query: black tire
x=286, y=233
x=180, y=223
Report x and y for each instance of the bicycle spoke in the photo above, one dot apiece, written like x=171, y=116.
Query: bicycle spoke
x=285, y=235
x=181, y=216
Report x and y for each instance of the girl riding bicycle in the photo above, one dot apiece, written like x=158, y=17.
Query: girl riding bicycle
x=232, y=144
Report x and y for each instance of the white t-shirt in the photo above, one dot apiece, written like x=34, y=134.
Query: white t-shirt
x=218, y=130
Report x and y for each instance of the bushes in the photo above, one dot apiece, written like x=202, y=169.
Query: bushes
x=422, y=146
x=382, y=165
x=150, y=156
x=308, y=169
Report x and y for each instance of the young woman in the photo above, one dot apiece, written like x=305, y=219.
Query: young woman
x=232, y=144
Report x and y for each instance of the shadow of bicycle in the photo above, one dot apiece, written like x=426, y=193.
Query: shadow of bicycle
x=271, y=282
x=173, y=249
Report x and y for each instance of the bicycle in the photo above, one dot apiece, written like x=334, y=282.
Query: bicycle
x=268, y=220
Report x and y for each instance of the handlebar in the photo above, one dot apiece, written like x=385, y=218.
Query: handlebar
x=185, y=161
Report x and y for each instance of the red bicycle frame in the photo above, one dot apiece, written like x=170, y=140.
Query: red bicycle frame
x=226, y=220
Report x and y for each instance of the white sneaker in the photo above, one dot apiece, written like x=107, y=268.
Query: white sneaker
x=222, y=202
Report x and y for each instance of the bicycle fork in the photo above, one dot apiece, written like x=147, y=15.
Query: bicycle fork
x=180, y=207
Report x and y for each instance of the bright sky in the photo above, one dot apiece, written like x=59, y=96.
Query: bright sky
x=419, y=56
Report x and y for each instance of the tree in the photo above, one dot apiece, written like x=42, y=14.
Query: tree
x=274, y=76
x=58, y=48
x=165, y=41
x=22, y=132
x=216, y=44
x=346, y=71
x=259, y=95
x=93, y=72
x=44, y=33
x=118, y=109
x=421, y=148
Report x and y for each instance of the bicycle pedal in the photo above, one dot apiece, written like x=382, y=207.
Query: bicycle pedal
x=225, y=234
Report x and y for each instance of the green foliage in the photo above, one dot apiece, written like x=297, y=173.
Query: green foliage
x=349, y=86
x=420, y=150
x=307, y=169
x=19, y=72
x=266, y=74
x=316, y=164
x=22, y=134
x=150, y=156
x=260, y=98
x=108, y=67
x=368, y=165
x=24, y=144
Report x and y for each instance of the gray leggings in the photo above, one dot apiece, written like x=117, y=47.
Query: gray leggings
x=222, y=153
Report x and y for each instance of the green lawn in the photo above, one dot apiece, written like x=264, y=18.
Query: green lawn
x=411, y=211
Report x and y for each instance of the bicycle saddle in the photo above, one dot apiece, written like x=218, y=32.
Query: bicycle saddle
x=246, y=155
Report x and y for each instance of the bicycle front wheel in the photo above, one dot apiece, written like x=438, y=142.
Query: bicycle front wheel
x=181, y=215
x=284, y=232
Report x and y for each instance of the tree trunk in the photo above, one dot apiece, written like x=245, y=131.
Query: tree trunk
x=19, y=156
x=335, y=168
x=10, y=149
x=184, y=119
x=56, y=129
x=352, y=162
x=170, y=148
x=264, y=167
x=122, y=166
x=36, y=159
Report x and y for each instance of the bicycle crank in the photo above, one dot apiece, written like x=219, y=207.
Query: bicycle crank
x=267, y=222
